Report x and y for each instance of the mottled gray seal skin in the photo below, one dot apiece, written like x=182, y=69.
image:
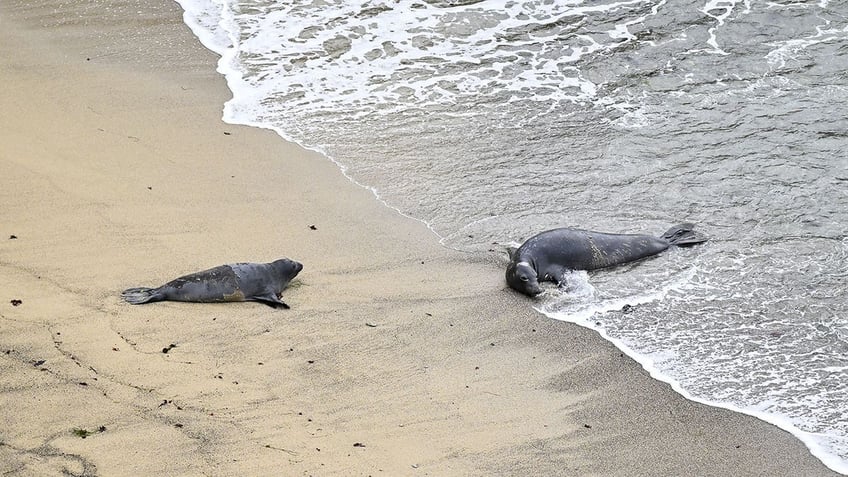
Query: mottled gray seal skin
x=550, y=255
x=262, y=282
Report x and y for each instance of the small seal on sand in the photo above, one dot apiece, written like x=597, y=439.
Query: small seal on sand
x=262, y=282
x=549, y=255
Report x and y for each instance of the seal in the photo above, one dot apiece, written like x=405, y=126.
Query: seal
x=262, y=282
x=550, y=255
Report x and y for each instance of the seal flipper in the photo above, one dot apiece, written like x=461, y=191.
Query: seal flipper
x=272, y=300
x=141, y=295
x=511, y=251
x=556, y=274
x=683, y=235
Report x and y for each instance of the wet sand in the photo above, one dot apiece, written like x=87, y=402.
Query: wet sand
x=398, y=356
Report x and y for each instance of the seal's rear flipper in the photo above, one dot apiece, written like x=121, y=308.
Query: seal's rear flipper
x=138, y=296
x=511, y=252
x=683, y=235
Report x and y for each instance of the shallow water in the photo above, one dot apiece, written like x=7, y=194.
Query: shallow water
x=491, y=121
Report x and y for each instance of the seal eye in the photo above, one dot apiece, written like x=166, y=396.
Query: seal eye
x=524, y=278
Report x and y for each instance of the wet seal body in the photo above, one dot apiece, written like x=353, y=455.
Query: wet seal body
x=262, y=282
x=550, y=255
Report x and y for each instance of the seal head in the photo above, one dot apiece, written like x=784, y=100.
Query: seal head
x=286, y=270
x=523, y=277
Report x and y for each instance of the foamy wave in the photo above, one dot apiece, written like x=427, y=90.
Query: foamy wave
x=766, y=359
x=579, y=303
x=204, y=19
x=790, y=49
x=409, y=54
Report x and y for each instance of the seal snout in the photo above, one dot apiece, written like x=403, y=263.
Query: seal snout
x=534, y=291
x=530, y=288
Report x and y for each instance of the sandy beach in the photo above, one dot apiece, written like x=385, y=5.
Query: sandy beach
x=398, y=356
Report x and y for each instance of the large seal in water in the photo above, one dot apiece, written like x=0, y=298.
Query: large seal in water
x=262, y=282
x=550, y=255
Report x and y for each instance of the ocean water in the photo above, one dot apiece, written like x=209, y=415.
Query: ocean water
x=493, y=120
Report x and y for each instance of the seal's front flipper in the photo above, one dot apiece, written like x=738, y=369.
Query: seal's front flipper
x=572, y=281
x=561, y=282
x=558, y=275
x=141, y=295
x=272, y=301
x=277, y=304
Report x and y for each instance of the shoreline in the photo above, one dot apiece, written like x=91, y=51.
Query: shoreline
x=829, y=460
x=116, y=175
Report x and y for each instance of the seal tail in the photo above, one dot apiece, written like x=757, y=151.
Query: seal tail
x=138, y=296
x=684, y=235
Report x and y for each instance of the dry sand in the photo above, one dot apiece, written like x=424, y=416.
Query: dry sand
x=398, y=357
